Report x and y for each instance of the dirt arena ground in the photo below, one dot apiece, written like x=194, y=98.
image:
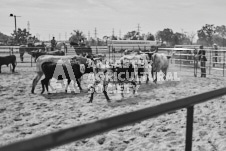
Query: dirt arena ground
x=24, y=115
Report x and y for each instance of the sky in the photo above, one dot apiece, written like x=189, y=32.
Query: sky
x=59, y=18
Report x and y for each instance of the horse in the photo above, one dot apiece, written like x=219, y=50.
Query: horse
x=36, y=54
x=57, y=47
x=29, y=49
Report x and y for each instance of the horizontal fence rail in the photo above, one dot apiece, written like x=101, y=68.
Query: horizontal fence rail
x=186, y=59
x=87, y=130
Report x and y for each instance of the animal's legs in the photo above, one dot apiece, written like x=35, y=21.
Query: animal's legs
x=134, y=85
x=105, y=92
x=92, y=93
x=47, y=85
x=35, y=81
x=155, y=77
x=122, y=90
x=165, y=72
x=13, y=64
x=21, y=57
x=68, y=83
x=43, y=86
x=79, y=84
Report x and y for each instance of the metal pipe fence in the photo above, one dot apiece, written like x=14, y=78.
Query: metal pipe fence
x=188, y=60
x=14, y=50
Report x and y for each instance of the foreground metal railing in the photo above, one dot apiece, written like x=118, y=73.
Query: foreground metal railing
x=87, y=130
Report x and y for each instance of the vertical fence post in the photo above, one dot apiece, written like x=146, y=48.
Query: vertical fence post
x=10, y=53
x=31, y=61
x=114, y=53
x=194, y=66
x=180, y=60
x=109, y=52
x=224, y=64
x=189, y=128
x=64, y=50
x=210, y=61
x=96, y=50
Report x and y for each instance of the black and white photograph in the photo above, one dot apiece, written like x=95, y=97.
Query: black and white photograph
x=112, y=75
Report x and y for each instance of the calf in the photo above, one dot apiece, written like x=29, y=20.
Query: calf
x=121, y=74
x=48, y=69
x=6, y=60
x=160, y=63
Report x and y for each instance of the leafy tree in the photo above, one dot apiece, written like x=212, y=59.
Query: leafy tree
x=113, y=37
x=20, y=37
x=150, y=37
x=221, y=32
x=132, y=35
x=4, y=38
x=165, y=36
x=218, y=40
x=206, y=34
x=77, y=37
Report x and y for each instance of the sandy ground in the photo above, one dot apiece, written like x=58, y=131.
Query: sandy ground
x=24, y=115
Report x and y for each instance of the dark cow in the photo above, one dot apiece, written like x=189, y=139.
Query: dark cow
x=49, y=69
x=116, y=75
x=6, y=60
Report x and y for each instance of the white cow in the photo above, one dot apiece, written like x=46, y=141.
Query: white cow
x=160, y=63
x=140, y=62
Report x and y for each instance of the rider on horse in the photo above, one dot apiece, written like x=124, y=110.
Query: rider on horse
x=53, y=44
x=30, y=42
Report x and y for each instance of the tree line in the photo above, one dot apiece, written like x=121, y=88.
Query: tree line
x=207, y=36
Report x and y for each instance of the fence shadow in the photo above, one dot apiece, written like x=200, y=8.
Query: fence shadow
x=62, y=95
x=132, y=100
x=10, y=73
x=150, y=86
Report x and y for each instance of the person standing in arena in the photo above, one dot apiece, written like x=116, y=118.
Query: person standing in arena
x=203, y=60
x=215, y=54
x=195, y=61
x=53, y=44
x=30, y=42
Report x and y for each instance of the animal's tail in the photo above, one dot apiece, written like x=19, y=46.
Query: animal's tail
x=15, y=63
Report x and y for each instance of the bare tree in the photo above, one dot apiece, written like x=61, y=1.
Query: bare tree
x=191, y=36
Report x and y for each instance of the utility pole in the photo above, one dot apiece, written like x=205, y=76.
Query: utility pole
x=138, y=31
x=113, y=32
x=119, y=34
x=88, y=35
x=49, y=36
x=11, y=15
x=28, y=26
x=95, y=33
x=138, y=28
